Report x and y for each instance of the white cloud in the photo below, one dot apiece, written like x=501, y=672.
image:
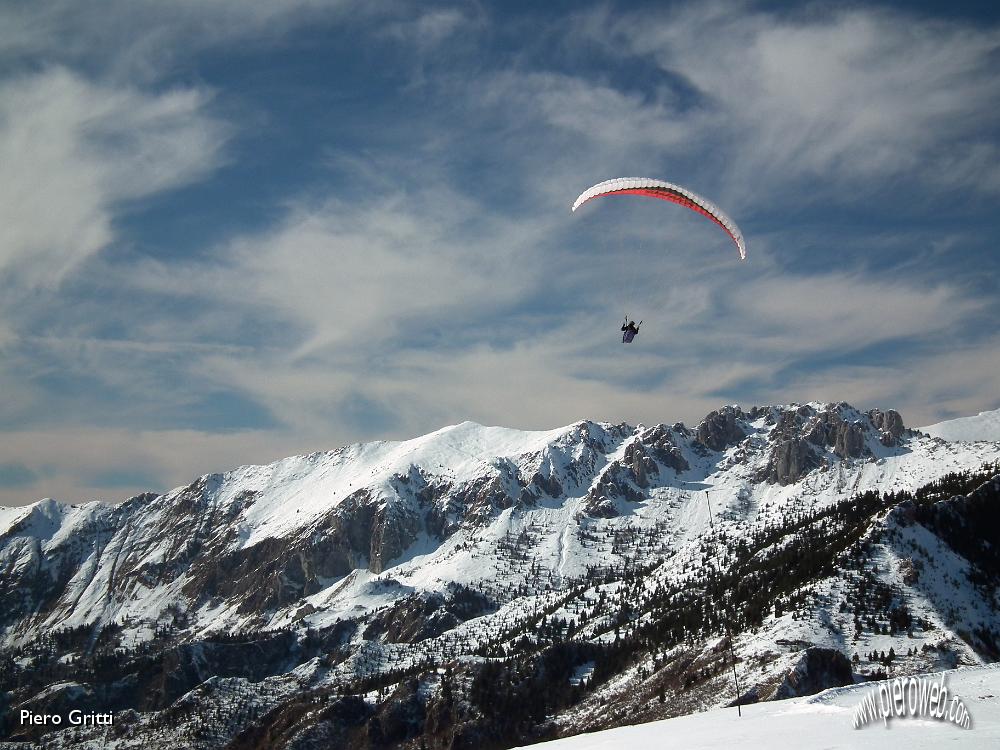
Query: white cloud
x=355, y=275
x=66, y=461
x=790, y=316
x=428, y=29
x=75, y=152
x=839, y=96
x=604, y=116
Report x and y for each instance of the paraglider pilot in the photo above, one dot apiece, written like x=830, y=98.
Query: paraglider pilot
x=629, y=331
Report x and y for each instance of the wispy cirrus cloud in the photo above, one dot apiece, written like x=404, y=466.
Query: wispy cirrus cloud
x=144, y=41
x=845, y=96
x=431, y=27
x=788, y=316
x=75, y=154
x=107, y=463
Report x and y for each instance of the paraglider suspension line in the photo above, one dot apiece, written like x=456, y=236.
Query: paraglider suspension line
x=725, y=618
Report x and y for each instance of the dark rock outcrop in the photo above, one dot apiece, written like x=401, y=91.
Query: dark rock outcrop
x=830, y=429
x=719, y=429
x=817, y=669
x=640, y=464
x=618, y=482
x=792, y=455
x=547, y=483
x=790, y=461
x=889, y=424
x=803, y=437
x=848, y=438
x=660, y=445
x=394, y=530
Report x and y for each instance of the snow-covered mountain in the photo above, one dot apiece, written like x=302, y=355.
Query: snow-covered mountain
x=984, y=426
x=483, y=585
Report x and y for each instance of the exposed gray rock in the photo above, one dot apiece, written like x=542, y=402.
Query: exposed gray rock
x=600, y=506
x=909, y=570
x=816, y=432
x=889, y=424
x=640, y=464
x=790, y=461
x=801, y=434
x=792, y=456
x=848, y=439
x=393, y=531
x=618, y=482
x=478, y=501
x=719, y=429
x=660, y=445
x=420, y=617
x=359, y=532
x=829, y=428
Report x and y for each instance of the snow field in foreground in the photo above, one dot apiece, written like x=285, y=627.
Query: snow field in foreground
x=824, y=721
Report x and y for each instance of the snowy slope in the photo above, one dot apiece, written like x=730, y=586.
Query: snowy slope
x=824, y=720
x=984, y=426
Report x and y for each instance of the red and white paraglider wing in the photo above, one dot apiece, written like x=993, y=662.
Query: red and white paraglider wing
x=669, y=192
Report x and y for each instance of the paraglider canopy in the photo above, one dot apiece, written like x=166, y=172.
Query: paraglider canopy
x=669, y=192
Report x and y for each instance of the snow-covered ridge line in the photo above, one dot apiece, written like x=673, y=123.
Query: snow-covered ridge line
x=729, y=449
x=984, y=426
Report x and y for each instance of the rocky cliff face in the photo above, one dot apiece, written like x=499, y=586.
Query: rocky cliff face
x=811, y=437
x=817, y=669
x=720, y=429
x=393, y=569
x=889, y=424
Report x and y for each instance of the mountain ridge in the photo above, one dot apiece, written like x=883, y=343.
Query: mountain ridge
x=476, y=545
x=985, y=426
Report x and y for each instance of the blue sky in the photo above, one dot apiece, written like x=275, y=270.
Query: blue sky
x=239, y=230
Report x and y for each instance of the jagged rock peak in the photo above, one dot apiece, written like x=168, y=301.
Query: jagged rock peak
x=807, y=436
x=721, y=428
x=890, y=425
